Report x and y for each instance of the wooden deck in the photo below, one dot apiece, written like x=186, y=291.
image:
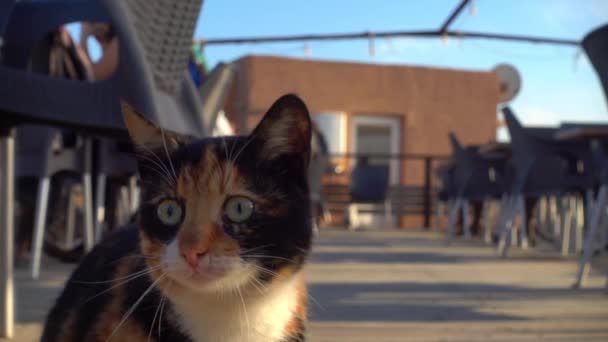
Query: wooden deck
x=407, y=286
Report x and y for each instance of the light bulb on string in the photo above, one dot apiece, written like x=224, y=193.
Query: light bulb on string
x=371, y=49
x=307, y=50
x=472, y=8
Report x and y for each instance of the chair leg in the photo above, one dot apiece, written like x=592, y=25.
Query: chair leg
x=505, y=232
x=567, y=228
x=134, y=194
x=466, y=221
x=100, y=206
x=125, y=203
x=353, y=217
x=71, y=221
x=523, y=232
x=388, y=214
x=555, y=218
x=501, y=215
x=541, y=214
x=594, y=222
x=579, y=225
x=488, y=208
x=453, y=219
x=561, y=219
x=89, y=235
x=589, y=205
x=41, y=205
x=438, y=216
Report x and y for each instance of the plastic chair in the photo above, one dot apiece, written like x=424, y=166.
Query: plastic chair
x=596, y=47
x=473, y=176
x=369, y=187
x=542, y=167
x=154, y=40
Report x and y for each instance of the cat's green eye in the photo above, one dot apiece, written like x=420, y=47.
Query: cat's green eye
x=169, y=212
x=238, y=208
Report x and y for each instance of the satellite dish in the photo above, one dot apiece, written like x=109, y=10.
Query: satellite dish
x=509, y=81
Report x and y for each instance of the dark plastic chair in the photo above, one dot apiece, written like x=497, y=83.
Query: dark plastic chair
x=595, y=45
x=473, y=176
x=542, y=167
x=369, y=187
x=154, y=41
x=596, y=48
x=214, y=92
x=43, y=152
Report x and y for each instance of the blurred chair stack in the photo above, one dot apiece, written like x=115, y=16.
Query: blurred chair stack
x=547, y=182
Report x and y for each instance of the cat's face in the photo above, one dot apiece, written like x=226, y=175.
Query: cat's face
x=220, y=213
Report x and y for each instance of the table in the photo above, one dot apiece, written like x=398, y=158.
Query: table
x=583, y=132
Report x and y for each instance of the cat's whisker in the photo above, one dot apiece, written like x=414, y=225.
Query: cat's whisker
x=140, y=256
x=269, y=257
x=162, y=308
x=244, y=311
x=162, y=132
x=163, y=177
x=131, y=278
x=160, y=168
x=158, y=162
x=258, y=285
x=132, y=275
x=264, y=270
x=316, y=302
x=134, y=306
x=249, y=140
x=154, y=319
x=256, y=248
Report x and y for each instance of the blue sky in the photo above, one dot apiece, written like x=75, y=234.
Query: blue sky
x=558, y=82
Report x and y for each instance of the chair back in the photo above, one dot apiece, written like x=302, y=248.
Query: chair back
x=596, y=47
x=369, y=183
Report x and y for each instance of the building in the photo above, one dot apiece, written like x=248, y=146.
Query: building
x=367, y=108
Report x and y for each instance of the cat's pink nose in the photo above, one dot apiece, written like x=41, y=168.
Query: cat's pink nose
x=193, y=256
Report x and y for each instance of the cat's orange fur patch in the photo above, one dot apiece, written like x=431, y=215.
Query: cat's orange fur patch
x=198, y=186
x=301, y=310
x=153, y=252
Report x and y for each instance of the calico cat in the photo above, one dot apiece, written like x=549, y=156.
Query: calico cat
x=223, y=231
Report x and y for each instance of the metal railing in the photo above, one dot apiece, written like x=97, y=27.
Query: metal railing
x=413, y=183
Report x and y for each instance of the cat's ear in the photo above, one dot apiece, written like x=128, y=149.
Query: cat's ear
x=285, y=130
x=144, y=133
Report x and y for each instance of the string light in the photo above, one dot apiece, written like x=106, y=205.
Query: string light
x=371, y=48
x=307, y=50
x=472, y=8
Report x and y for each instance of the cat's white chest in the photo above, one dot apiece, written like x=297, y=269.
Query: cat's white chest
x=235, y=318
